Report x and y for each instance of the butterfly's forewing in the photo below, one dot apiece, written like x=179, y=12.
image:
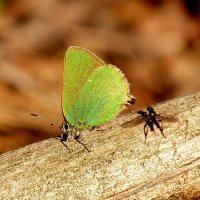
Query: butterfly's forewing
x=78, y=66
x=101, y=97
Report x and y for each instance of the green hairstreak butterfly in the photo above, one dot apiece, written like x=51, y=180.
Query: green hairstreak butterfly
x=93, y=93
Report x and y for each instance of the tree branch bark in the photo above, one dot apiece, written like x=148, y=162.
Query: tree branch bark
x=119, y=166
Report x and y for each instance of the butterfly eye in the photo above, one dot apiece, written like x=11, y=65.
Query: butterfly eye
x=66, y=126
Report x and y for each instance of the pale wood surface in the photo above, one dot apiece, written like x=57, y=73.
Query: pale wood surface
x=119, y=166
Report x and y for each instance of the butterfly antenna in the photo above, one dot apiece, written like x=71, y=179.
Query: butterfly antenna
x=57, y=122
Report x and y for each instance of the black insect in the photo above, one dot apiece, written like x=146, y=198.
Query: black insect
x=151, y=118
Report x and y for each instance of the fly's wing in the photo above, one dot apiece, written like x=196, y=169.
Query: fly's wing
x=168, y=118
x=142, y=113
x=101, y=98
x=78, y=65
x=135, y=121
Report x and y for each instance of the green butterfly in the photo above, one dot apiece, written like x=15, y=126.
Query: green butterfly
x=93, y=93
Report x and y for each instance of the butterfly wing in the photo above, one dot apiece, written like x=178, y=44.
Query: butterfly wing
x=101, y=97
x=78, y=66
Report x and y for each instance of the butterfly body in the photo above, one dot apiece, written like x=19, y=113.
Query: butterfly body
x=93, y=92
x=68, y=133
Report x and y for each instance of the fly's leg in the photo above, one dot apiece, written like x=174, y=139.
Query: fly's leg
x=145, y=132
x=160, y=127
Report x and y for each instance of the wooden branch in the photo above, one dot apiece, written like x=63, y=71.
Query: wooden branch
x=119, y=166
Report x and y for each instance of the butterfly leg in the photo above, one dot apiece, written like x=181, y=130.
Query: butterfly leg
x=63, y=138
x=65, y=146
x=77, y=139
x=96, y=128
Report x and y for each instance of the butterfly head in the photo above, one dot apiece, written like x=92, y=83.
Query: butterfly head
x=64, y=127
x=64, y=132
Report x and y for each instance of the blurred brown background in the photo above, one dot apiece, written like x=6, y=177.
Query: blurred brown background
x=156, y=43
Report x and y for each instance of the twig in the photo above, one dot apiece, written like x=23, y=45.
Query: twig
x=119, y=166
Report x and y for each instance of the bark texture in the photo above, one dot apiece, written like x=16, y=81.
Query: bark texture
x=119, y=166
